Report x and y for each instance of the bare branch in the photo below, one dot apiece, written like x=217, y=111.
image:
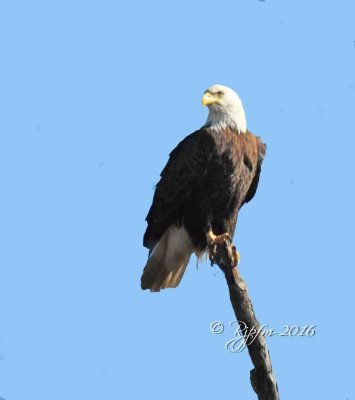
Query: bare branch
x=261, y=376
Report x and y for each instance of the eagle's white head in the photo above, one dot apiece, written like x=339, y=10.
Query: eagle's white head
x=225, y=108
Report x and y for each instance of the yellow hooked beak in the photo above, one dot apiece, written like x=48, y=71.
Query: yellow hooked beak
x=208, y=99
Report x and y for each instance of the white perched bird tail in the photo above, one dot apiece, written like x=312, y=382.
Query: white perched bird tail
x=168, y=260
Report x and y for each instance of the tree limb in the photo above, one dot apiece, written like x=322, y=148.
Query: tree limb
x=262, y=378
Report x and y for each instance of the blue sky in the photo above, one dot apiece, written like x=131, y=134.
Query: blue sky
x=94, y=95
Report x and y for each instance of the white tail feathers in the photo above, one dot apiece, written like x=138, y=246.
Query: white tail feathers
x=168, y=260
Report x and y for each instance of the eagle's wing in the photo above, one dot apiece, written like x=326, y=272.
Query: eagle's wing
x=186, y=164
x=254, y=184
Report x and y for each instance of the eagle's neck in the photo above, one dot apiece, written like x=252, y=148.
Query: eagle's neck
x=220, y=118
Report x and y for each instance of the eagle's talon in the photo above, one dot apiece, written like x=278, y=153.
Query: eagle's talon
x=214, y=240
x=236, y=256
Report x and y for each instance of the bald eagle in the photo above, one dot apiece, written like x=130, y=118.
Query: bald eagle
x=209, y=176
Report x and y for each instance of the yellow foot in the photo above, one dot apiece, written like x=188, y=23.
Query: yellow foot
x=213, y=239
x=236, y=256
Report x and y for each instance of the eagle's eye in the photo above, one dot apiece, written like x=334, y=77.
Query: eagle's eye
x=220, y=93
